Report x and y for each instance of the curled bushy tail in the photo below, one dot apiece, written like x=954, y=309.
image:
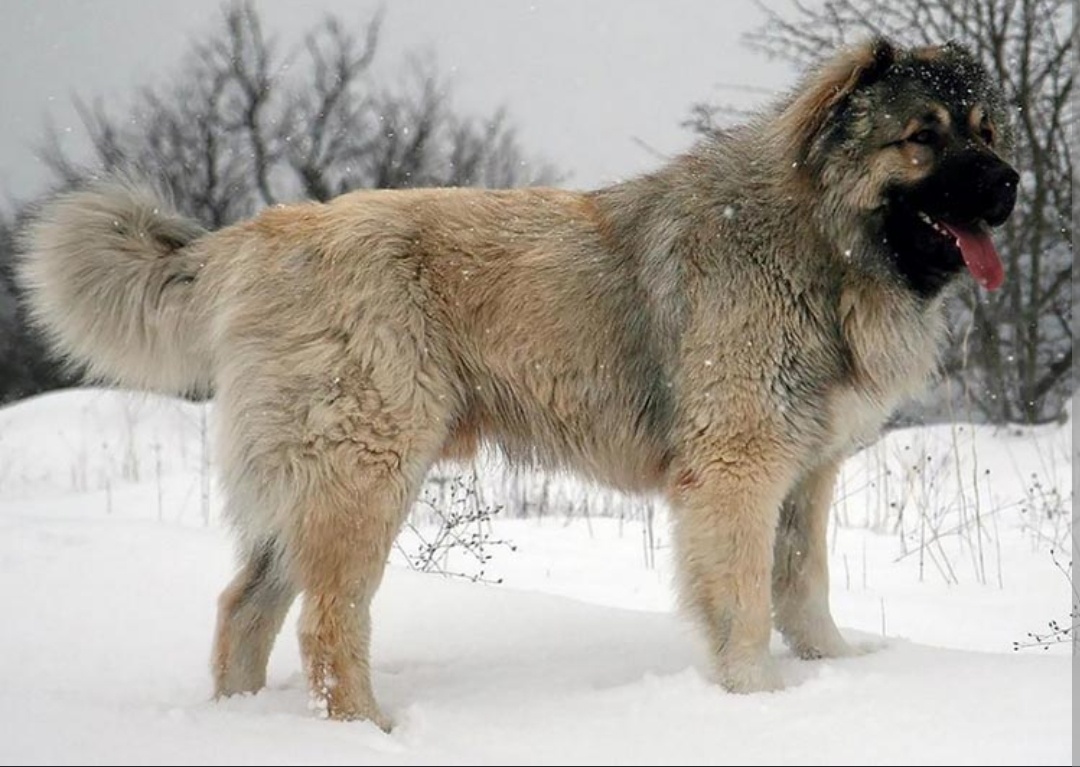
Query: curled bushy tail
x=110, y=274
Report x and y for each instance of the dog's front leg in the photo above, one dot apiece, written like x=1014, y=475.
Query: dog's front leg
x=725, y=514
x=800, y=579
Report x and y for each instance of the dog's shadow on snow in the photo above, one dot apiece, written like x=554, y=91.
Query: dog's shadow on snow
x=552, y=645
x=440, y=647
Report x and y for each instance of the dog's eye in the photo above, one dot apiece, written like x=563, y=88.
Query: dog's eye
x=926, y=137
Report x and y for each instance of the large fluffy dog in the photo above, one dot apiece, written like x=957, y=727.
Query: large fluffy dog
x=723, y=331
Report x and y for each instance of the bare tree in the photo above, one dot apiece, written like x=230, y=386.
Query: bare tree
x=183, y=134
x=247, y=122
x=243, y=125
x=1015, y=358
x=26, y=368
x=319, y=132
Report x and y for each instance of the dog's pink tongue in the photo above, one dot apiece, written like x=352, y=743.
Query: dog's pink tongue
x=980, y=255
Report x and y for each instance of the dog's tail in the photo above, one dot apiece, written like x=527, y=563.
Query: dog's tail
x=111, y=274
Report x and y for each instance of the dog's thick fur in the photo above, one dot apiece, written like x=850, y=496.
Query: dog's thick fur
x=723, y=331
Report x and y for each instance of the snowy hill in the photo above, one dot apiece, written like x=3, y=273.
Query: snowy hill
x=111, y=559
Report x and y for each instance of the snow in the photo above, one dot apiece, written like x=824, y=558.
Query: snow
x=110, y=569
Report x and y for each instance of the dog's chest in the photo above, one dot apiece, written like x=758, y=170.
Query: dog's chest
x=893, y=347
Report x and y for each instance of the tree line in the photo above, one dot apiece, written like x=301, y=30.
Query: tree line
x=248, y=122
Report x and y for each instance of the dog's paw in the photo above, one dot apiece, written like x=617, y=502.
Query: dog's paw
x=332, y=707
x=828, y=644
x=381, y=720
x=816, y=638
x=760, y=675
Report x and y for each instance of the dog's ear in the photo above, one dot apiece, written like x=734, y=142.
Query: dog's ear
x=826, y=90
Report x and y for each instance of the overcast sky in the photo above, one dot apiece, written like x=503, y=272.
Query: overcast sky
x=595, y=86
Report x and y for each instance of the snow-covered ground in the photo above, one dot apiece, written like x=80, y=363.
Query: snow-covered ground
x=111, y=559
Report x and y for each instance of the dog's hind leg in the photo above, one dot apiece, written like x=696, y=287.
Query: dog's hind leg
x=340, y=546
x=250, y=613
x=800, y=579
x=343, y=530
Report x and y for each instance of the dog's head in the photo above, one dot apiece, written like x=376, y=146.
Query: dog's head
x=913, y=143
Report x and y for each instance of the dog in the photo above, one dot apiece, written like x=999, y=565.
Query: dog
x=723, y=331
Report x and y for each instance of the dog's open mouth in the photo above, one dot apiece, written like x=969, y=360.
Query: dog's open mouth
x=975, y=246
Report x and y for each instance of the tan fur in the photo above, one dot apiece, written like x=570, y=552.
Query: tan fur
x=800, y=576
x=720, y=331
x=803, y=119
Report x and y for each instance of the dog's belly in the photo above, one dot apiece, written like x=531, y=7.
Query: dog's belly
x=562, y=425
x=559, y=372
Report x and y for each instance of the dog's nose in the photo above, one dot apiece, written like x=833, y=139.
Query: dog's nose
x=998, y=185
